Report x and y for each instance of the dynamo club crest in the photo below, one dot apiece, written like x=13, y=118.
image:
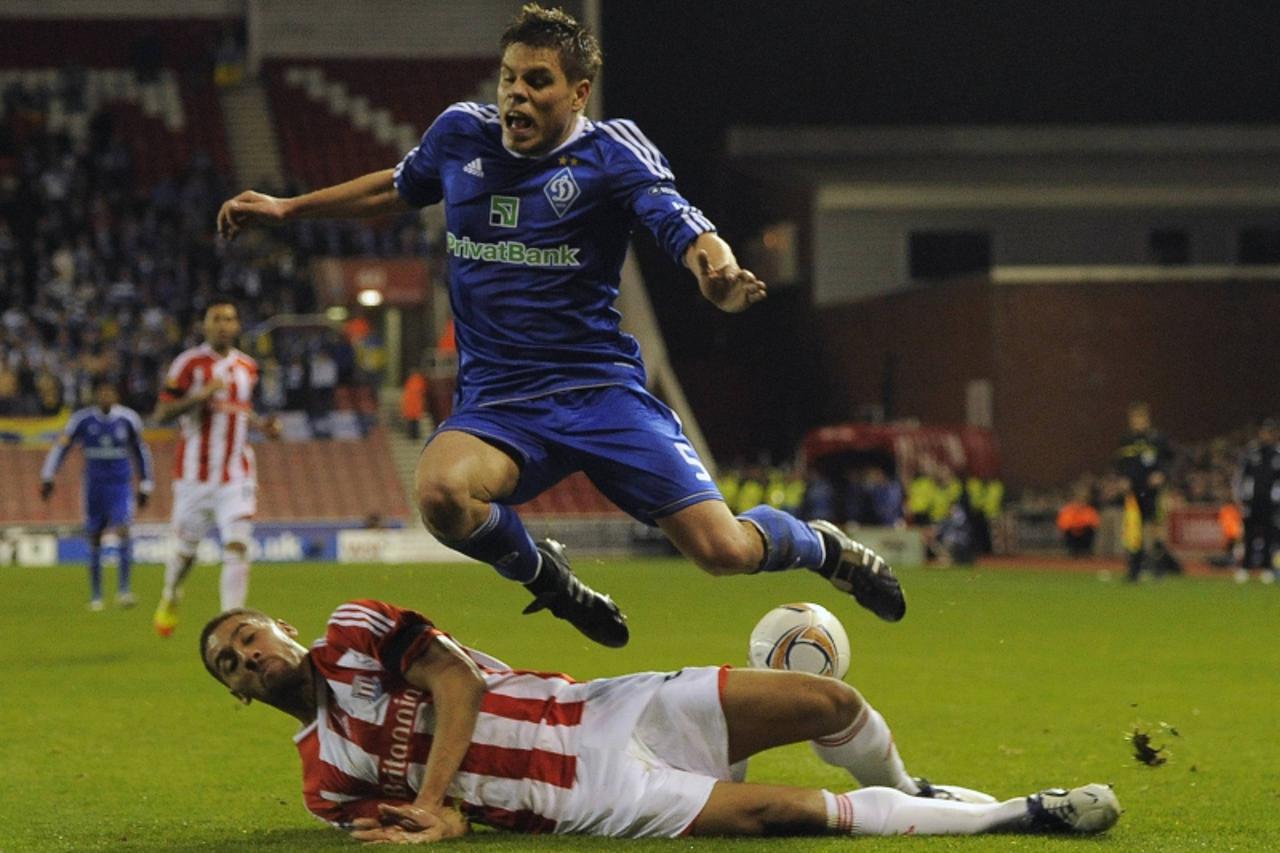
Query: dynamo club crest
x=562, y=191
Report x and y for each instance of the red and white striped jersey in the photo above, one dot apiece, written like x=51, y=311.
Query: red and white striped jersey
x=372, y=733
x=214, y=446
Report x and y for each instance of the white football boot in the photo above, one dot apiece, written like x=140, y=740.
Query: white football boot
x=1088, y=809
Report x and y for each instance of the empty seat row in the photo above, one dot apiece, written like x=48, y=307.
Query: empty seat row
x=307, y=481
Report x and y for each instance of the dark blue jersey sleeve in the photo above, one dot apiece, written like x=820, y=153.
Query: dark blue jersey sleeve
x=71, y=433
x=141, y=453
x=642, y=181
x=417, y=177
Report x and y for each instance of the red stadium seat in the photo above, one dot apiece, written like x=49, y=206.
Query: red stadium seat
x=309, y=481
x=576, y=495
x=391, y=85
x=104, y=47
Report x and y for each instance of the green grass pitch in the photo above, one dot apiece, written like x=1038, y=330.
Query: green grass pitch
x=112, y=739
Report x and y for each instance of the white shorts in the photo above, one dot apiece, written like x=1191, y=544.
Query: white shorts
x=199, y=506
x=653, y=747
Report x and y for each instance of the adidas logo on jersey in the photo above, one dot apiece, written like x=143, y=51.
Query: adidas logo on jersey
x=475, y=168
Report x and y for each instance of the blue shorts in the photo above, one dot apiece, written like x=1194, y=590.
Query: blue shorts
x=628, y=443
x=107, y=505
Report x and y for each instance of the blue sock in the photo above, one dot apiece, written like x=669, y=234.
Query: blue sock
x=789, y=542
x=95, y=573
x=503, y=543
x=124, y=557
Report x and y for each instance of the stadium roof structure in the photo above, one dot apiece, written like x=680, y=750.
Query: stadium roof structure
x=901, y=167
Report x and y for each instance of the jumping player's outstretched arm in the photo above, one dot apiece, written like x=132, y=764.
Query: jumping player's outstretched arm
x=725, y=284
x=373, y=194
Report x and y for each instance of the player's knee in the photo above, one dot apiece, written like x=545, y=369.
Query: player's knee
x=827, y=704
x=442, y=502
x=839, y=703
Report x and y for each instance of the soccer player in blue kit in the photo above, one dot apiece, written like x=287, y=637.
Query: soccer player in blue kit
x=110, y=435
x=539, y=206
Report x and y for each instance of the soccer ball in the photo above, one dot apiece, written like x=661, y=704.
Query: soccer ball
x=802, y=637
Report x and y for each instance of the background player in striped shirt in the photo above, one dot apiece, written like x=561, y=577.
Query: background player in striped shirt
x=539, y=204
x=111, y=436
x=209, y=389
x=401, y=725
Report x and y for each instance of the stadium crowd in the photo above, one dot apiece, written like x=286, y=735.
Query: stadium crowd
x=956, y=513
x=99, y=275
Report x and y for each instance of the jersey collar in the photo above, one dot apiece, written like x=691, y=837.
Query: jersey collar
x=231, y=353
x=578, y=129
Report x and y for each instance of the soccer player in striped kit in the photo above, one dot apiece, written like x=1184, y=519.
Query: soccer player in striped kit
x=111, y=435
x=539, y=205
x=209, y=389
x=406, y=735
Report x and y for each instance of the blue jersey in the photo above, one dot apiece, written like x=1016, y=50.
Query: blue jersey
x=536, y=247
x=110, y=440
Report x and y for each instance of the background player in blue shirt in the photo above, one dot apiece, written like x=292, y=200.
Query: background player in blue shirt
x=110, y=435
x=539, y=207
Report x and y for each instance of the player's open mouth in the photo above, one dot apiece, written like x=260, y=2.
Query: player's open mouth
x=518, y=122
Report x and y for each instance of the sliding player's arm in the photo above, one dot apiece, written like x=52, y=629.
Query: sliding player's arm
x=373, y=194
x=456, y=687
x=449, y=823
x=363, y=818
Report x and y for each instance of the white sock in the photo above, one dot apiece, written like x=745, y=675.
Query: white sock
x=867, y=751
x=887, y=811
x=176, y=569
x=234, y=584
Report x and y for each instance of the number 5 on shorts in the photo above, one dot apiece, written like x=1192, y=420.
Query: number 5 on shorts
x=691, y=456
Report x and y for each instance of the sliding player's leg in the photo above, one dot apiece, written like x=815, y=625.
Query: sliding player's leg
x=768, y=708
x=747, y=809
x=705, y=722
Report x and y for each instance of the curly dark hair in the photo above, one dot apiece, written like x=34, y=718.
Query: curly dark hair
x=579, y=50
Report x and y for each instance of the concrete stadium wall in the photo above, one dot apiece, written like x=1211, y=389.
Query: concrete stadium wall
x=938, y=341
x=122, y=8
x=388, y=28
x=861, y=253
x=1064, y=361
